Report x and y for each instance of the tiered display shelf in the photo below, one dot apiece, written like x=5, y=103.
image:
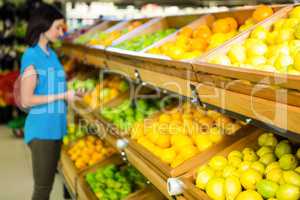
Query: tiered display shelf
x=263, y=100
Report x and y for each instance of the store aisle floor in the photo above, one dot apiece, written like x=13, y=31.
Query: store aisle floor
x=15, y=170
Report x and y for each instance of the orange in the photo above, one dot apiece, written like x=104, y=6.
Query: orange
x=165, y=118
x=261, y=13
x=221, y=26
x=203, y=31
x=98, y=148
x=99, y=143
x=73, y=157
x=177, y=116
x=91, y=138
x=168, y=155
x=188, y=151
x=92, y=162
x=97, y=156
x=199, y=44
x=187, y=32
x=163, y=141
x=232, y=23
x=85, y=158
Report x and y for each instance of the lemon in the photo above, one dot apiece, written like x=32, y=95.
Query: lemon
x=163, y=141
x=244, y=166
x=221, y=60
x=249, y=195
x=232, y=187
x=267, y=188
x=218, y=162
x=165, y=118
x=288, y=192
x=274, y=175
x=229, y=170
x=295, y=13
x=249, y=178
x=235, y=161
x=273, y=165
x=237, y=54
x=256, y=49
x=177, y=161
x=215, y=134
x=215, y=189
x=168, y=155
x=180, y=140
x=235, y=153
x=203, y=176
x=258, y=166
x=202, y=141
x=259, y=33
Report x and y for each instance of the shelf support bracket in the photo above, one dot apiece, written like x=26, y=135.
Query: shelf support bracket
x=175, y=187
x=195, y=97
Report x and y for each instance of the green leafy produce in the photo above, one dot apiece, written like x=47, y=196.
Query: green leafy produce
x=88, y=84
x=115, y=183
x=85, y=38
x=141, y=42
x=126, y=114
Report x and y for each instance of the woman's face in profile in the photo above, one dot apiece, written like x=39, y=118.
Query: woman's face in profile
x=56, y=30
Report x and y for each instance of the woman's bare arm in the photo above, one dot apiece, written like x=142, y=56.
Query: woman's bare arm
x=28, y=84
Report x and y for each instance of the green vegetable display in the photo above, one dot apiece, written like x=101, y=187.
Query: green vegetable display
x=126, y=114
x=141, y=42
x=88, y=84
x=114, y=183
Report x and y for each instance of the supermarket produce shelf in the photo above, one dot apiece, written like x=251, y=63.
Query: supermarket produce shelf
x=180, y=74
x=261, y=97
x=155, y=177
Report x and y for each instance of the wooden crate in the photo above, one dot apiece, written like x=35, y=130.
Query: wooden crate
x=167, y=171
x=98, y=27
x=241, y=15
x=71, y=173
x=68, y=170
x=118, y=27
x=85, y=193
x=148, y=28
x=188, y=179
x=111, y=128
x=71, y=36
x=148, y=170
x=253, y=75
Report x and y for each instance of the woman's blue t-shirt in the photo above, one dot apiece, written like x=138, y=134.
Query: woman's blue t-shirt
x=46, y=121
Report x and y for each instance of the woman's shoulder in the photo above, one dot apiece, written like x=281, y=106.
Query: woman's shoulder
x=29, y=52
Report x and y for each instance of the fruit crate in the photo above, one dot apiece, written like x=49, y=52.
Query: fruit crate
x=171, y=22
x=123, y=25
x=93, y=29
x=200, y=158
x=77, y=32
x=167, y=171
x=282, y=13
x=71, y=173
x=250, y=140
x=112, y=128
x=85, y=192
x=288, y=81
x=241, y=15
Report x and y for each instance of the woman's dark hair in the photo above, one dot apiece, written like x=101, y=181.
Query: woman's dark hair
x=40, y=21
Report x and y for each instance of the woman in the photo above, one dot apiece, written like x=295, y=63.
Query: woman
x=43, y=92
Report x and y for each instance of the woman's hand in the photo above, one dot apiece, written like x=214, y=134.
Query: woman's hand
x=70, y=95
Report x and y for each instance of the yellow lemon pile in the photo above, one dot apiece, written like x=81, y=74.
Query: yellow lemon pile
x=179, y=134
